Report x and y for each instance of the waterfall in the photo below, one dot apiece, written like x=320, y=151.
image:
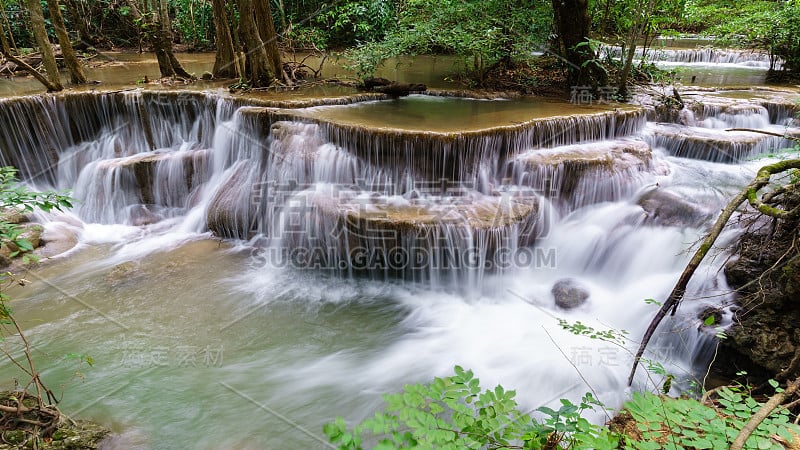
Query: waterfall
x=746, y=58
x=467, y=234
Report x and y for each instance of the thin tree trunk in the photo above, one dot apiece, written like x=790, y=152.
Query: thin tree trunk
x=6, y=51
x=749, y=193
x=7, y=25
x=636, y=30
x=83, y=29
x=166, y=37
x=40, y=33
x=70, y=60
x=224, y=63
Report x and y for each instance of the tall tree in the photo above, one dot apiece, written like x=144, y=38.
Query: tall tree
x=259, y=64
x=225, y=64
x=70, y=60
x=154, y=18
x=40, y=33
x=266, y=30
x=572, y=24
x=639, y=23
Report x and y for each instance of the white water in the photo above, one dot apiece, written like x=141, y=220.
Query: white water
x=300, y=345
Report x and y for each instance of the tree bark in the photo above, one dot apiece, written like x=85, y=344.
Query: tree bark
x=636, y=30
x=258, y=62
x=70, y=60
x=40, y=33
x=159, y=35
x=7, y=25
x=224, y=62
x=166, y=39
x=266, y=30
x=572, y=21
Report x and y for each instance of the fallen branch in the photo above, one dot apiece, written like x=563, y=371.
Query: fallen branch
x=764, y=412
x=749, y=193
x=768, y=133
x=6, y=51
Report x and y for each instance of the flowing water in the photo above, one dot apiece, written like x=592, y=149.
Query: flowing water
x=366, y=245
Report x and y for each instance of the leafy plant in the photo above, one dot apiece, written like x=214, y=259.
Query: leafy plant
x=15, y=198
x=454, y=413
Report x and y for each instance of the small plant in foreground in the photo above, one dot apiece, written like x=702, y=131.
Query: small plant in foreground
x=455, y=413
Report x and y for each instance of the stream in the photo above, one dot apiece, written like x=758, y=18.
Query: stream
x=246, y=269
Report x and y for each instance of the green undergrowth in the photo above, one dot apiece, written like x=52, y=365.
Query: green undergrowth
x=454, y=412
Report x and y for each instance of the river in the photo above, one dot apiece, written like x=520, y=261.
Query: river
x=244, y=271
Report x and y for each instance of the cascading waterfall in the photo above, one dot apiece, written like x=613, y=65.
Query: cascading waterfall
x=467, y=233
x=683, y=56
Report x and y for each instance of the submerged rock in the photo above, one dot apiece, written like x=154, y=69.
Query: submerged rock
x=716, y=145
x=586, y=173
x=569, y=293
x=666, y=208
x=143, y=167
x=354, y=229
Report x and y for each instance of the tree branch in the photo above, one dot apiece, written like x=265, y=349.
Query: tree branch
x=748, y=193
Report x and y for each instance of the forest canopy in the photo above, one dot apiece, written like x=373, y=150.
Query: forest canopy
x=483, y=33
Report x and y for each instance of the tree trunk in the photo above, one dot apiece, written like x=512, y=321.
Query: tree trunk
x=266, y=30
x=70, y=60
x=636, y=30
x=166, y=38
x=6, y=51
x=40, y=33
x=224, y=62
x=258, y=62
x=160, y=37
x=8, y=25
x=572, y=23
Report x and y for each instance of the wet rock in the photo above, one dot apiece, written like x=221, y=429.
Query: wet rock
x=123, y=273
x=586, y=173
x=710, y=318
x=13, y=215
x=31, y=232
x=142, y=168
x=716, y=145
x=207, y=76
x=141, y=215
x=424, y=232
x=666, y=208
x=568, y=293
x=231, y=212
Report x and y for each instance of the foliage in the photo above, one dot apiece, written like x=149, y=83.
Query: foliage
x=774, y=26
x=664, y=422
x=194, y=21
x=30, y=409
x=481, y=32
x=453, y=412
x=21, y=199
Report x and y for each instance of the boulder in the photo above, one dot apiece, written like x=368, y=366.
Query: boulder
x=586, y=173
x=666, y=208
x=568, y=293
